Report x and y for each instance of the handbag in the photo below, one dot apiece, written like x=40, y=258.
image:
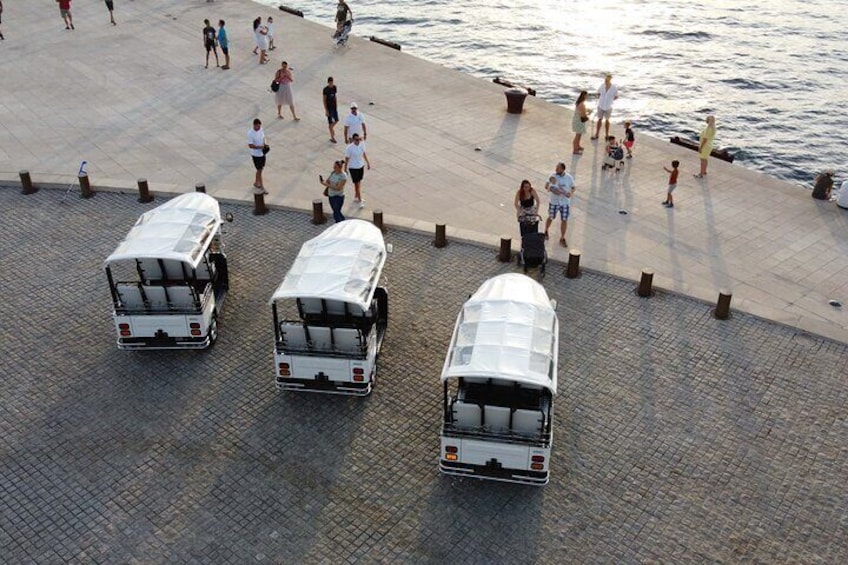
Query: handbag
x=326, y=191
x=275, y=86
x=265, y=149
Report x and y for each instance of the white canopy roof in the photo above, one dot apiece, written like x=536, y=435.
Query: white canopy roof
x=507, y=330
x=343, y=263
x=180, y=229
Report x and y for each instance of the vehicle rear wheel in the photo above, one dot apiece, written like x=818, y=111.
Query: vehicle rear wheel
x=213, y=331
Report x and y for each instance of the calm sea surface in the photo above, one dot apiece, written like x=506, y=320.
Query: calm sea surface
x=774, y=72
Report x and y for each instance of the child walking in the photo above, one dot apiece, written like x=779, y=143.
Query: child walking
x=629, y=139
x=672, y=183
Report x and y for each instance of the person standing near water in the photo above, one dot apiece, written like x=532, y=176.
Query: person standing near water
x=607, y=93
x=705, y=145
x=578, y=122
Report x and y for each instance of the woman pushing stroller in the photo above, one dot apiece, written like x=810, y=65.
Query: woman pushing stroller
x=527, y=208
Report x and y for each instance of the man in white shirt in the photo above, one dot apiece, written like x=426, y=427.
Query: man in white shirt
x=842, y=197
x=256, y=142
x=270, y=27
x=356, y=159
x=561, y=187
x=354, y=123
x=607, y=93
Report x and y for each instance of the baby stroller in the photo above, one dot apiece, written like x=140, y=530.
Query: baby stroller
x=340, y=37
x=614, y=158
x=528, y=221
x=533, y=253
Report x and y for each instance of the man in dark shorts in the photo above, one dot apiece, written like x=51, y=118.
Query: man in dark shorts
x=343, y=14
x=224, y=42
x=111, y=7
x=331, y=110
x=210, y=41
x=256, y=142
x=356, y=160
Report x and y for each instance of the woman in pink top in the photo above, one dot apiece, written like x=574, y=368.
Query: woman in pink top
x=284, y=94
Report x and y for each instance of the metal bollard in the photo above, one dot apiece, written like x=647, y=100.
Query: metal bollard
x=378, y=220
x=26, y=183
x=645, y=284
x=144, y=195
x=722, y=310
x=441, y=237
x=572, y=271
x=200, y=187
x=259, y=208
x=505, y=254
x=85, y=186
x=318, y=212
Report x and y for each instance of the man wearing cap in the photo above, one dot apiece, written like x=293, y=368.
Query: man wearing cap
x=354, y=123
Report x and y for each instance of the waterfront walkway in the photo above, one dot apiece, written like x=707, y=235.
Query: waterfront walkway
x=135, y=101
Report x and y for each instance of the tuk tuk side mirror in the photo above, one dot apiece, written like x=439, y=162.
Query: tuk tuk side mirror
x=228, y=217
x=554, y=304
x=389, y=248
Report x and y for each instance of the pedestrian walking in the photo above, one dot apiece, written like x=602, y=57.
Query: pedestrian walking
x=561, y=187
x=705, y=145
x=262, y=43
x=210, y=41
x=607, y=94
x=224, y=42
x=1, y=21
x=672, y=183
x=256, y=23
x=355, y=124
x=65, y=12
x=284, y=78
x=258, y=150
x=343, y=15
x=629, y=138
x=578, y=122
x=270, y=26
x=334, y=190
x=526, y=204
x=111, y=7
x=356, y=160
x=331, y=109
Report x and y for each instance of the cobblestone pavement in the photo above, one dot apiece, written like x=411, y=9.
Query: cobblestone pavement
x=679, y=438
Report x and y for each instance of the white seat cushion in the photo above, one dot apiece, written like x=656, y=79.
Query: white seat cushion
x=466, y=415
x=497, y=418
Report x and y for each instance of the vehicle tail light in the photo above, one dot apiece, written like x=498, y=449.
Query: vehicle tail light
x=194, y=325
x=451, y=449
x=451, y=456
x=285, y=370
x=538, y=458
x=124, y=330
x=451, y=452
x=537, y=466
x=358, y=374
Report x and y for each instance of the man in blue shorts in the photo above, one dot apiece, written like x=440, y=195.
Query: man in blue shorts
x=560, y=185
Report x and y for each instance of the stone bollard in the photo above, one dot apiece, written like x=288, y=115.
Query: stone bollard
x=259, y=208
x=26, y=183
x=318, y=212
x=645, y=284
x=722, y=309
x=441, y=237
x=144, y=195
x=85, y=186
x=572, y=270
x=378, y=220
x=200, y=187
x=505, y=254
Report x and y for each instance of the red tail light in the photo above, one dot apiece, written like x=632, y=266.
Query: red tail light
x=194, y=326
x=358, y=374
x=451, y=449
x=284, y=370
x=124, y=330
x=538, y=458
x=359, y=371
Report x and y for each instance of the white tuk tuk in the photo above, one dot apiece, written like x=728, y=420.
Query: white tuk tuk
x=499, y=380
x=342, y=312
x=169, y=277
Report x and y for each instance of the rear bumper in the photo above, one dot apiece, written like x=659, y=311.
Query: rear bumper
x=137, y=343
x=325, y=387
x=521, y=476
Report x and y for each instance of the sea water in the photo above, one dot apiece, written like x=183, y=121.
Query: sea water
x=774, y=72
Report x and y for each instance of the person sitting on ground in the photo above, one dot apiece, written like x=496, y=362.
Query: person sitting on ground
x=842, y=195
x=823, y=186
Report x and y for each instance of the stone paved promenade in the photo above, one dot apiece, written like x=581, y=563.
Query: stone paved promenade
x=678, y=438
x=135, y=101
